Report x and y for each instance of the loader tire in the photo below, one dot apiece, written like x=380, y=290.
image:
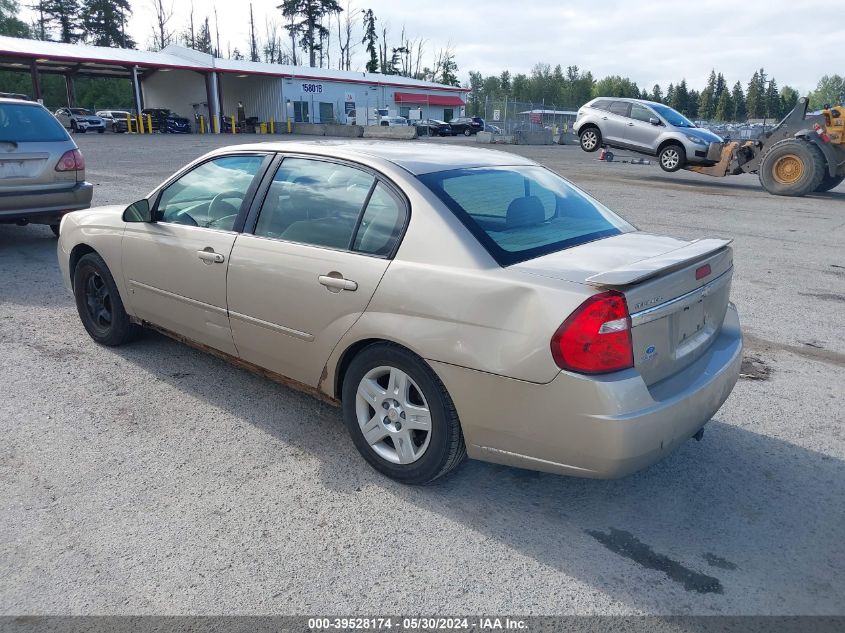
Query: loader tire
x=829, y=182
x=792, y=167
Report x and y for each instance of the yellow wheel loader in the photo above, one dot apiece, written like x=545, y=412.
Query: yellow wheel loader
x=800, y=155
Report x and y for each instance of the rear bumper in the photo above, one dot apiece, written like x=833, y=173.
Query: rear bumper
x=44, y=207
x=600, y=427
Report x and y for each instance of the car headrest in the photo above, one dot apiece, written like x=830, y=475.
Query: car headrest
x=525, y=211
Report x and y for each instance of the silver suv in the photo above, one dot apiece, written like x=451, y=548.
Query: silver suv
x=646, y=127
x=42, y=172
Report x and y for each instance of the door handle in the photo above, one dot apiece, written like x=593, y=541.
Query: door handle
x=210, y=257
x=604, y=118
x=630, y=125
x=335, y=282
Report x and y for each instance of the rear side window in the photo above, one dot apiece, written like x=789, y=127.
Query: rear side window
x=29, y=123
x=601, y=105
x=518, y=213
x=620, y=107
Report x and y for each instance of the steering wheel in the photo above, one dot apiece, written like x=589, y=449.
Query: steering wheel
x=218, y=201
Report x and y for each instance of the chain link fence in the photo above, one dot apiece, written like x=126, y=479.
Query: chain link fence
x=506, y=116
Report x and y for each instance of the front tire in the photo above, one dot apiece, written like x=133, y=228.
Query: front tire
x=467, y=132
x=400, y=415
x=99, y=304
x=829, y=182
x=672, y=157
x=792, y=167
x=590, y=139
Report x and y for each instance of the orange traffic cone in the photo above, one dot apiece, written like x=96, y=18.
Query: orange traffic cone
x=602, y=154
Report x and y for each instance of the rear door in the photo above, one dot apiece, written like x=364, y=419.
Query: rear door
x=175, y=267
x=614, y=125
x=321, y=243
x=32, y=142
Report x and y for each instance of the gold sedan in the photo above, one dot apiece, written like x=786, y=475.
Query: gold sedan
x=451, y=300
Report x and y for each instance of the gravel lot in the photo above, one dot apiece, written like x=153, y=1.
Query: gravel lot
x=156, y=479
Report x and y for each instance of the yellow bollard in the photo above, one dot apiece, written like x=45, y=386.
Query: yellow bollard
x=262, y=128
x=149, y=124
x=140, y=125
x=234, y=130
x=202, y=124
x=289, y=126
x=214, y=125
x=128, y=123
x=272, y=126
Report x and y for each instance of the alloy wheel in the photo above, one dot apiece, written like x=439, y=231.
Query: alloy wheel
x=670, y=158
x=98, y=301
x=393, y=414
x=589, y=140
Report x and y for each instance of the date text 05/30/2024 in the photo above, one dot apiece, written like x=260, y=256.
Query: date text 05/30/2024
x=418, y=623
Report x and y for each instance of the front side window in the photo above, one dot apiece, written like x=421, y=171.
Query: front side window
x=210, y=195
x=314, y=202
x=641, y=113
x=518, y=213
x=673, y=116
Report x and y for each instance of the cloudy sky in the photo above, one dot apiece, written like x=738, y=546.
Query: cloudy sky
x=658, y=41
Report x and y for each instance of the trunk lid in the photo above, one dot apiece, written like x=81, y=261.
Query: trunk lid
x=31, y=165
x=677, y=291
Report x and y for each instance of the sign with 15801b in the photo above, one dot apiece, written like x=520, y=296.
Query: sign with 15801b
x=313, y=89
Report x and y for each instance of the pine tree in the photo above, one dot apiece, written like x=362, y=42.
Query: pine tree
x=370, y=38
x=706, y=104
x=721, y=86
x=754, y=97
x=203, y=42
x=680, y=98
x=694, y=99
x=657, y=94
x=104, y=23
x=725, y=108
x=670, y=94
x=738, y=98
x=65, y=15
x=772, y=100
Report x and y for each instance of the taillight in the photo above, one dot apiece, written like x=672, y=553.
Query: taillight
x=71, y=160
x=596, y=338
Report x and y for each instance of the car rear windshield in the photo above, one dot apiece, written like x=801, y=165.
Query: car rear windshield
x=522, y=212
x=29, y=123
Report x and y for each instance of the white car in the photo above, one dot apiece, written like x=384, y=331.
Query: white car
x=116, y=120
x=393, y=121
x=80, y=120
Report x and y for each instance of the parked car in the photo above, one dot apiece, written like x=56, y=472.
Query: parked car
x=432, y=127
x=116, y=120
x=166, y=121
x=493, y=129
x=393, y=121
x=646, y=127
x=42, y=172
x=510, y=317
x=80, y=120
x=466, y=125
x=14, y=95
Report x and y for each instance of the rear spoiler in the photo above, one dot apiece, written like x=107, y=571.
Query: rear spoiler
x=643, y=269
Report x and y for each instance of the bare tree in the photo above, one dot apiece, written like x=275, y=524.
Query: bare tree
x=253, y=41
x=190, y=36
x=162, y=35
x=217, y=32
x=272, y=43
x=344, y=35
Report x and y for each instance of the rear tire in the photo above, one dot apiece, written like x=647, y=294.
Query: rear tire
x=672, y=157
x=398, y=442
x=829, y=182
x=99, y=304
x=792, y=167
x=590, y=139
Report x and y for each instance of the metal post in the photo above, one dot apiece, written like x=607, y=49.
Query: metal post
x=70, y=91
x=36, y=80
x=136, y=91
x=218, y=84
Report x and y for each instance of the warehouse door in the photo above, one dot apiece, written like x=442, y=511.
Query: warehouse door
x=300, y=111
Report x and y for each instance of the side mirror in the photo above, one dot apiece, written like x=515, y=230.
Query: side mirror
x=138, y=212
x=654, y=121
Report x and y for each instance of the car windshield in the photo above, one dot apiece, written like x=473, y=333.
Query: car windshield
x=32, y=123
x=518, y=213
x=672, y=116
x=81, y=111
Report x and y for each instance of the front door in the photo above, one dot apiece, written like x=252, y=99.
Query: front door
x=642, y=135
x=175, y=267
x=320, y=247
x=615, y=127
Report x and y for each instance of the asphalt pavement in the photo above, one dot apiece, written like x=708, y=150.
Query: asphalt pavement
x=154, y=478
